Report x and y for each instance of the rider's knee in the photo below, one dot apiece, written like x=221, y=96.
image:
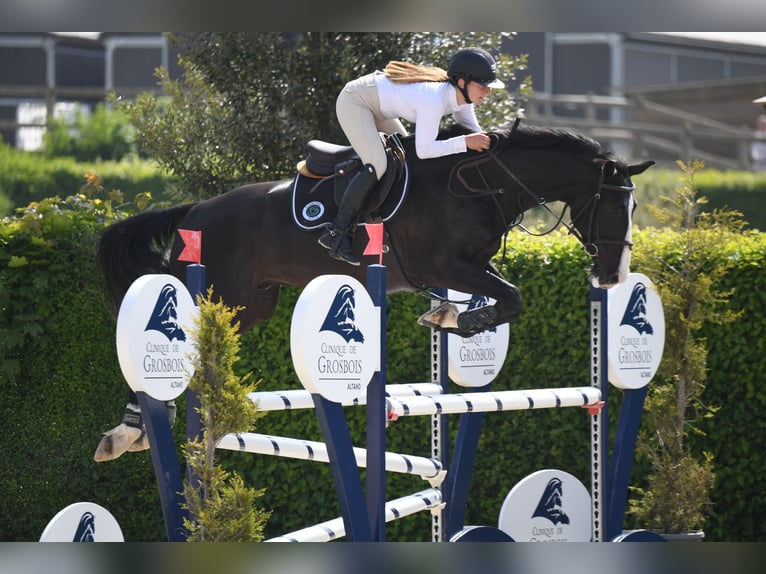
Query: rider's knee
x=379, y=166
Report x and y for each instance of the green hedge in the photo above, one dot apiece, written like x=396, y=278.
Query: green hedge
x=60, y=384
x=26, y=177
x=742, y=191
x=60, y=388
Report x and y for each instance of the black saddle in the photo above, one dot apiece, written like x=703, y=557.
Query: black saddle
x=325, y=173
x=323, y=158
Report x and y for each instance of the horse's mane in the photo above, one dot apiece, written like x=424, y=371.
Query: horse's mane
x=528, y=136
x=535, y=136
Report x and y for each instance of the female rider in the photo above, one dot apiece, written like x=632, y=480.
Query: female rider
x=420, y=94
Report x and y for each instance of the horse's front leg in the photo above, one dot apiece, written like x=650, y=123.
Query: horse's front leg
x=487, y=281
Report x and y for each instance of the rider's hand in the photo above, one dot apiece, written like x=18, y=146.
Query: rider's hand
x=478, y=141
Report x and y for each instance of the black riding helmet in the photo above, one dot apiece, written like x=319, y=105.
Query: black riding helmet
x=473, y=65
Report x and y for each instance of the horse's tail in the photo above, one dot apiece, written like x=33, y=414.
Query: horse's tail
x=136, y=246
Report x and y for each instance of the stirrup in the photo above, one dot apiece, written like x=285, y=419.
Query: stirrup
x=348, y=258
x=341, y=248
x=329, y=235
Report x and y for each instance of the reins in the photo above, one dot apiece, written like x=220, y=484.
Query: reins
x=590, y=245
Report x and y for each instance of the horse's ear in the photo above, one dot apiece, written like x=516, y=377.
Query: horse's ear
x=640, y=168
x=610, y=168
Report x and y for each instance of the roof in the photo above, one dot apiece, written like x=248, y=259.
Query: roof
x=755, y=39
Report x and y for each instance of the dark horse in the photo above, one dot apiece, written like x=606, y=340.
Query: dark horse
x=452, y=223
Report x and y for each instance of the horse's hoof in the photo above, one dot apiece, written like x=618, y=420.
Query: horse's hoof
x=478, y=320
x=115, y=442
x=141, y=443
x=443, y=317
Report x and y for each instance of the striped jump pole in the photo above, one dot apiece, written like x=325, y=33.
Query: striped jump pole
x=295, y=399
x=494, y=401
x=395, y=509
x=427, y=468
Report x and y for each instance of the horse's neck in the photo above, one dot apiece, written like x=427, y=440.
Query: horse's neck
x=557, y=179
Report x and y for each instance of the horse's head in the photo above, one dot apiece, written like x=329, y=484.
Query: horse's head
x=604, y=220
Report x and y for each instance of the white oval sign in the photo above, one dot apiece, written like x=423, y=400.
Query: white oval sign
x=335, y=338
x=636, y=332
x=477, y=360
x=547, y=506
x=83, y=522
x=153, y=336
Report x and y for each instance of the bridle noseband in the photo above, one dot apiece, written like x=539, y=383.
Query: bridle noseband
x=589, y=242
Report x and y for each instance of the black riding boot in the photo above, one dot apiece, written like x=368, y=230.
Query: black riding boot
x=338, y=236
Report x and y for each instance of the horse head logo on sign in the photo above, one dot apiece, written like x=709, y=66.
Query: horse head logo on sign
x=340, y=318
x=77, y=523
x=86, y=529
x=333, y=306
x=164, y=318
x=635, y=332
x=154, y=352
x=534, y=511
x=635, y=311
x=550, y=504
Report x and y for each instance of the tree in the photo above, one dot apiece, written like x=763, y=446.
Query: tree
x=248, y=102
x=221, y=507
x=677, y=497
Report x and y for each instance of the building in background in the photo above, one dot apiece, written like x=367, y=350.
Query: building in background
x=49, y=74
x=659, y=95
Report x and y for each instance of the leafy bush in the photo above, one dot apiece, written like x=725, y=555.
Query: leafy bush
x=105, y=134
x=29, y=177
x=59, y=375
x=741, y=191
x=61, y=386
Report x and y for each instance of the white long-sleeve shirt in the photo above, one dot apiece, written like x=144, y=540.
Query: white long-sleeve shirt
x=425, y=104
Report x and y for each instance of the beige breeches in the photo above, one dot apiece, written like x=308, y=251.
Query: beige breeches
x=358, y=110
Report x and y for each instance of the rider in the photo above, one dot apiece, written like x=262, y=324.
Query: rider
x=421, y=95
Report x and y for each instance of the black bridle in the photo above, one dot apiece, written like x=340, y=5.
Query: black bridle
x=589, y=242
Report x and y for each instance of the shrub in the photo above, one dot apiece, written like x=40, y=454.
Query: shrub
x=30, y=177
x=221, y=507
x=105, y=134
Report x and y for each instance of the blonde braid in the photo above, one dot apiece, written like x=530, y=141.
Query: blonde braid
x=407, y=73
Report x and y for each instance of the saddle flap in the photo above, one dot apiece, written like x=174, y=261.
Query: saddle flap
x=318, y=187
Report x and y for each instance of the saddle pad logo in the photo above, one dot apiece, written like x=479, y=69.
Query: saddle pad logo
x=313, y=210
